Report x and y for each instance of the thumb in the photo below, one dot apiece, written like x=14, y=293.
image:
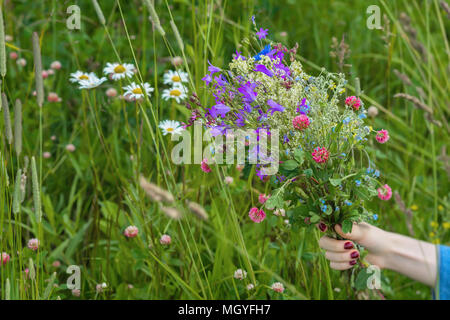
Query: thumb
x=356, y=234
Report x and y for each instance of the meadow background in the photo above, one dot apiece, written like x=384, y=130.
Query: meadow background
x=91, y=194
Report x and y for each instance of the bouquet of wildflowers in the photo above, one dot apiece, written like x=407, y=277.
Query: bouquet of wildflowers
x=325, y=175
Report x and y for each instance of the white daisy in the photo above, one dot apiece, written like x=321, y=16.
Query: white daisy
x=170, y=126
x=80, y=75
x=135, y=92
x=175, y=77
x=177, y=92
x=92, y=82
x=119, y=71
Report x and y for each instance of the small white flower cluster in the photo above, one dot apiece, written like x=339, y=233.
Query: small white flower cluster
x=114, y=71
x=240, y=274
x=170, y=126
x=178, y=90
x=101, y=287
x=117, y=71
x=135, y=91
x=86, y=80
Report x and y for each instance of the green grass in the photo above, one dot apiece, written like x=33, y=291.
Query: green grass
x=89, y=196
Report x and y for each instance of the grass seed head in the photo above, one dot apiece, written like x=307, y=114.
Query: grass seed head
x=18, y=127
x=417, y=103
x=154, y=17
x=17, y=192
x=7, y=119
x=198, y=210
x=2, y=46
x=36, y=192
x=177, y=35
x=171, y=212
x=155, y=192
x=7, y=290
x=403, y=77
x=38, y=69
x=31, y=269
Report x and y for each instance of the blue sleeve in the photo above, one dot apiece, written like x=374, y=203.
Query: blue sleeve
x=444, y=273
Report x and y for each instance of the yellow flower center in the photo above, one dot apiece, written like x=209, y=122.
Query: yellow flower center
x=176, y=78
x=169, y=129
x=119, y=69
x=137, y=91
x=175, y=92
x=83, y=77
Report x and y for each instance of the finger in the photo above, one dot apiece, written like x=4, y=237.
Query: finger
x=356, y=234
x=331, y=244
x=322, y=226
x=342, y=256
x=342, y=265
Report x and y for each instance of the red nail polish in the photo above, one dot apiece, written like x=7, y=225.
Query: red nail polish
x=355, y=254
x=322, y=227
x=348, y=245
x=353, y=262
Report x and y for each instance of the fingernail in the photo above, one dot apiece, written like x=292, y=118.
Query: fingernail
x=353, y=262
x=348, y=245
x=355, y=254
x=322, y=227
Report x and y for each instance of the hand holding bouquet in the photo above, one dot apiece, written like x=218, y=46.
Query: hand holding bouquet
x=325, y=175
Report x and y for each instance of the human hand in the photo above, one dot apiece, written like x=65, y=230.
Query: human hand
x=343, y=254
x=411, y=257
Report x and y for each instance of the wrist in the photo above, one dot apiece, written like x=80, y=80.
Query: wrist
x=411, y=257
x=379, y=244
x=387, y=251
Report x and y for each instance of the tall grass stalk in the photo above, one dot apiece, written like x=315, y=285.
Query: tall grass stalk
x=99, y=12
x=18, y=127
x=2, y=45
x=38, y=69
x=36, y=191
x=7, y=119
x=17, y=197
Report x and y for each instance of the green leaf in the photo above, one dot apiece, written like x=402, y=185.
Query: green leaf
x=347, y=226
x=361, y=279
x=386, y=285
x=308, y=173
x=315, y=218
x=76, y=240
x=372, y=191
x=354, y=214
x=302, y=193
x=335, y=182
x=273, y=245
x=289, y=165
x=276, y=199
x=299, y=156
x=300, y=211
